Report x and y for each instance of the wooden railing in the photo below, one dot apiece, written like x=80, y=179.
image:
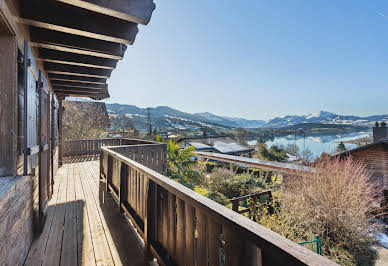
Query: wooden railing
x=182, y=227
x=256, y=198
x=92, y=146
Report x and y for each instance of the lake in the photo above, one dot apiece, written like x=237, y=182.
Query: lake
x=316, y=143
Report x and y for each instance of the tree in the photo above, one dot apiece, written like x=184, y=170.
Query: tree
x=204, y=132
x=121, y=123
x=274, y=153
x=181, y=163
x=292, y=149
x=322, y=157
x=337, y=201
x=241, y=135
x=341, y=147
x=307, y=155
x=84, y=120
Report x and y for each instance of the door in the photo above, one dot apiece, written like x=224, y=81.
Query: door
x=44, y=155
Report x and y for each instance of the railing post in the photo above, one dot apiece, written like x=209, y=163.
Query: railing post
x=235, y=205
x=60, y=146
x=123, y=185
x=150, y=220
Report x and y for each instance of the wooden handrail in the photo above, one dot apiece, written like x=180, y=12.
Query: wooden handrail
x=255, y=197
x=182, y=227
x=92, y=146
x=278, y=167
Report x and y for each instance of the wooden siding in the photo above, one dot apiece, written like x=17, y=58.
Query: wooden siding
x=8, y=104
x=16, y=218
x=376, y=158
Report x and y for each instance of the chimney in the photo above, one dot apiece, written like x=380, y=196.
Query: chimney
x=380, y=132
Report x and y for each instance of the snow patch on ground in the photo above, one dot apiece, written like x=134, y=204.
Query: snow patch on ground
x=382, y=239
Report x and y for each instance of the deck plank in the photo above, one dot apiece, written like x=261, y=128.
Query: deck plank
x=81, y=229
x=92, y=179
x=38, y=247
x=130, y=248
x=84, y=236
x=101, y=248
x=69, y=245
x=52, y=254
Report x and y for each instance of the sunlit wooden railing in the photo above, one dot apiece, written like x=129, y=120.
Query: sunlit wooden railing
x=92, y=146
x=182, y=227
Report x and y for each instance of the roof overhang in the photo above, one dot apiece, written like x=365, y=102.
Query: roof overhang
x=79, y=42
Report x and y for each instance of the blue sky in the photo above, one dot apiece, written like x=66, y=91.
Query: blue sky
x=259, y=59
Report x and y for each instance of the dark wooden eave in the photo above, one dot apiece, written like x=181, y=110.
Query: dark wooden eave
x=81, y=41
x=138, y=11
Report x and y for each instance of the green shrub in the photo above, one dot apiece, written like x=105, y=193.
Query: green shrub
x=230, y=185
x=218, y=197
x=336, y=202
x=210, y=166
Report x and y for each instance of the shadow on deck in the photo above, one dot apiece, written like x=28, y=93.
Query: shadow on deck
x=83, y=225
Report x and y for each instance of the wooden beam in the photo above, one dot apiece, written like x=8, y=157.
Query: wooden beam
x=83, y=44
x=72, y=93
x=76, y=92
x=63, y=77
x=75, y=59
x=73, y=20
x=72, y=84
x=138, y=11
x=60, y=88
x=75, y=74
x=73, y=50
x=77, y=70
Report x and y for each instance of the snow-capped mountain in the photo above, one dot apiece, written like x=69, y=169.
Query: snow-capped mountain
x=324, y=117
x=166, y=118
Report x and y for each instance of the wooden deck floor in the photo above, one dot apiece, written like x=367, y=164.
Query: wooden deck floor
x=80, y=230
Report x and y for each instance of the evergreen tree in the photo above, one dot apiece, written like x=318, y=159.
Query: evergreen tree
x=341, y=147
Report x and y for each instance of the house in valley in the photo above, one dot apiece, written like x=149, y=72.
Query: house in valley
x=375, y=156
x=218, y=144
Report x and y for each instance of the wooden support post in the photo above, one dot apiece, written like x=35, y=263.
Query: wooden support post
x=150, y=221
x=231, y=167
x=235, y=204
x=25, y=115
x=60, y=146
x=8, y=104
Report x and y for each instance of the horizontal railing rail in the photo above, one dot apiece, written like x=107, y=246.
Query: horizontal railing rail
x=92, y=146
x=255, y=198
x=278, y=167
x=182, y=227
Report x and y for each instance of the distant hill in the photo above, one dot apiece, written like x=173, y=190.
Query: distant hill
x=166, y=118
x=320, y=126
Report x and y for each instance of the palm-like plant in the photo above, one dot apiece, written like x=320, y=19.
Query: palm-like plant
x=181, y=164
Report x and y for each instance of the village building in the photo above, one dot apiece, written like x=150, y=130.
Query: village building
x=218, y=144
x=375, y=156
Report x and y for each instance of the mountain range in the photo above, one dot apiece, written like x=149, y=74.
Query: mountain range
x=166, y=118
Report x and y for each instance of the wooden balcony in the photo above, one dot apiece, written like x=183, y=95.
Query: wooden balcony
x=83, y=226
x=87, y=221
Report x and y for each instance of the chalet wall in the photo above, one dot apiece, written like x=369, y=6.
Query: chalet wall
x=19, y=195
x=376, y=158
x=8, y=104
x=16, y=230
